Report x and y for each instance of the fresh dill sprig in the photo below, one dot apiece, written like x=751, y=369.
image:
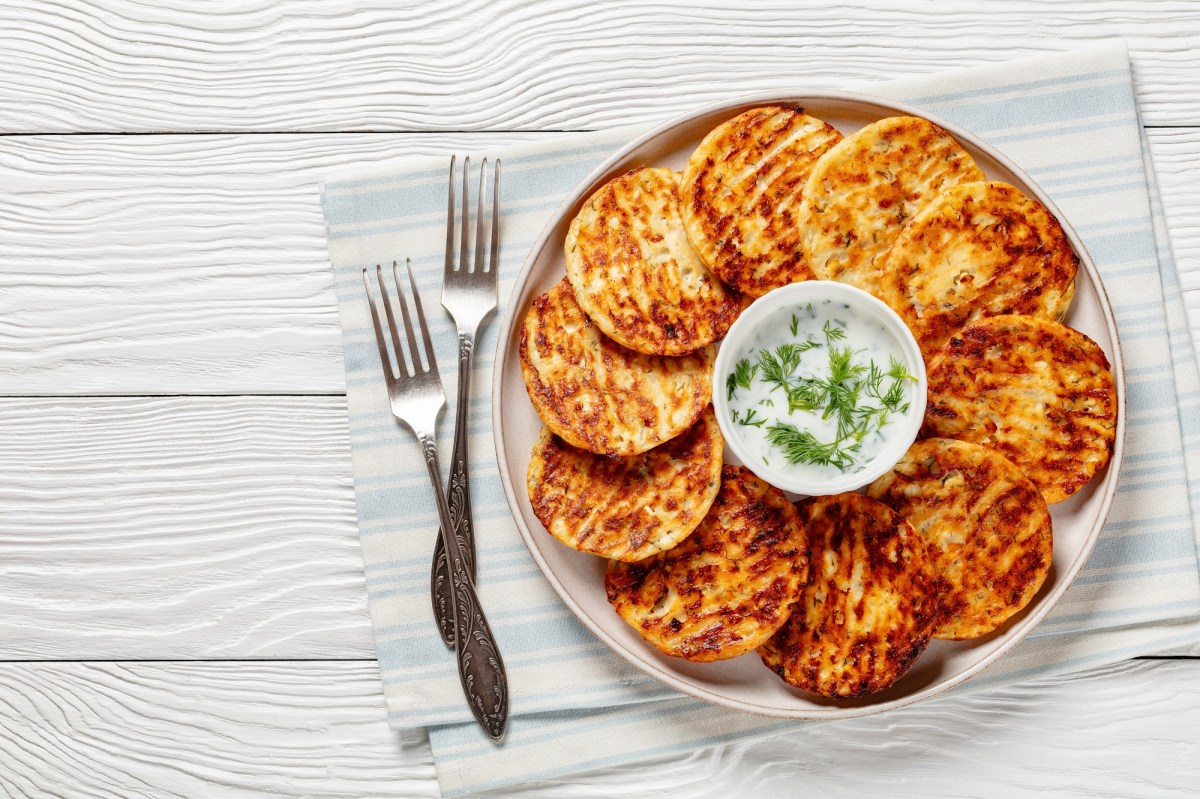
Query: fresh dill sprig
x=833, y=333
x=778, y=367
x=741, y=377
x=751, y=419
x=857, y=393
x=801, y=446
x=897, y=370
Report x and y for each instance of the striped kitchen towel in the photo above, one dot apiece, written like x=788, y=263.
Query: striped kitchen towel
x=1071, y=121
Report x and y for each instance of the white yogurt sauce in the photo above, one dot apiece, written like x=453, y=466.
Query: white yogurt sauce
x=788, y=363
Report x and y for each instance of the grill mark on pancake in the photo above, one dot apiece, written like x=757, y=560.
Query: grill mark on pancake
x=870, y=605
x=985, y=524
x=1036, y=391
x=636, y=275
x=626, y=508
x=741, y=190
x=728, y=586
x=863, y=191
x=600, y=396
x=979, y=249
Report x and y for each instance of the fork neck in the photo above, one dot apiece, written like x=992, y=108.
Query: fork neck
x=429, y=450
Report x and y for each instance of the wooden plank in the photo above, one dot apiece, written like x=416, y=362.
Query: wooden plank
x=1176, y=154
x=179, y=528
x=175, y=264
x=223, y=730
x=125, y=65
x=197, y=264
x=219, y=730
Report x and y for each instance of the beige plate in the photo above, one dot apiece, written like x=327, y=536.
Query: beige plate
x=744, y=683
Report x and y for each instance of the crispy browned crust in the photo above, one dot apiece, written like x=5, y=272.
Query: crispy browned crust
x=979, y=249
x=728, y=586
x=635, y=274
x=742, y=189
x=863, y=191
x=626, y=508
x=600, y=396
x=1036, y=391
x=985, y=524
x=870, y=606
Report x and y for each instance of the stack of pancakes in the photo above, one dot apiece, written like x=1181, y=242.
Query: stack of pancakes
x=839, y=594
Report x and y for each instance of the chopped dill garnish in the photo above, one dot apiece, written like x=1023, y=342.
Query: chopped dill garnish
x=751, y=419
x=897, y=370
x=833, y=333
x=801, y=446
x=857, y=393
x=740, y=377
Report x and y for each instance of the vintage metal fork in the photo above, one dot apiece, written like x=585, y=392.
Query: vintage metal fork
x=417, y=399
x=469, y=294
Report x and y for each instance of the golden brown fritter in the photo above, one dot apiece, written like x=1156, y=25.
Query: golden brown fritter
x=1036, y=391
x=870, y=605
x=635, y=274
x=600, y=396
x=864, y=190
x=626, y=508
x=985, y=524
x=742, y=189
x=978, y=249
x=728, y=586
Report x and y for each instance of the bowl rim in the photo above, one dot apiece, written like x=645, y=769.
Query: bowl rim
x=795, y=294
x=510, y=324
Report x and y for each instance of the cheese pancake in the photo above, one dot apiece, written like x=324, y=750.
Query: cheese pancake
x=728, y=586
x=985, y=524
x=864, y=190
x=599, y=396
x=635, y=274
x=978, y=249
x=1037, y=392
x=870, y=605
x=742, y=189
x=626, y=508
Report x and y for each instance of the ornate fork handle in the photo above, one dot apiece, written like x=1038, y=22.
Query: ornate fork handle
x=480, y=667
x=459, y=498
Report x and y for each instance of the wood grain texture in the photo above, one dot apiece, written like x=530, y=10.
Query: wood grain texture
x=179, y=528
x=1176, y=154
x=144, y=527
x=224, y=730
x=1121, y=731
x=201, y=260
x=125, y=65
x=220, y=730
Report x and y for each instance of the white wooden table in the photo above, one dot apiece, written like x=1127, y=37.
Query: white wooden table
x=182, y=608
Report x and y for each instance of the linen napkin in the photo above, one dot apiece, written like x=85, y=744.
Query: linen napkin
x=1070, y=120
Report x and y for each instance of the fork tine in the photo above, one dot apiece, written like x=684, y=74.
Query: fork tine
x=495, y=253
x=450, y=224
x=379, y=339
x=463, y=249
x=479, y=218
x=430, y=359
x=387, y=306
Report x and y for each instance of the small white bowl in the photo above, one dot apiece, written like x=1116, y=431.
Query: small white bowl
x=797, y=295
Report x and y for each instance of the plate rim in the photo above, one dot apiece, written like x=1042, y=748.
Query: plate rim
x=588, y=185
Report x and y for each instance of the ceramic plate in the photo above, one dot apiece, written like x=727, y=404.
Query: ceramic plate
x=744, y=683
